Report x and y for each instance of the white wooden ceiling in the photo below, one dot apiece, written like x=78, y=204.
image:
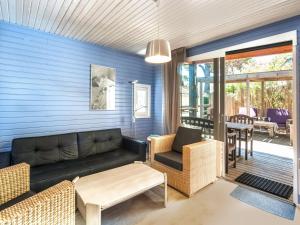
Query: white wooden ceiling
x=129, y=24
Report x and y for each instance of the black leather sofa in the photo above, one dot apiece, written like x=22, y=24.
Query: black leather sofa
x=55, y=158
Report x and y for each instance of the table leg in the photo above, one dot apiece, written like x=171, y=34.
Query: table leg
x=166, y=190
x=93, y=214
x=226, y=159
x=246, y=145
x=240, y=142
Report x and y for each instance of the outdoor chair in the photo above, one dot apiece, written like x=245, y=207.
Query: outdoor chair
x=242, y=136
x=230, y=145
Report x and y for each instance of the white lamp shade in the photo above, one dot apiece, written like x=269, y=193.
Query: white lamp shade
x=158, y=51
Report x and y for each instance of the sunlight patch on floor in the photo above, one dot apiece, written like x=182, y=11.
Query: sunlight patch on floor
x=274, y=149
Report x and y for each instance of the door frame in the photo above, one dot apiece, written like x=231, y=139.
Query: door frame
x=282, y=37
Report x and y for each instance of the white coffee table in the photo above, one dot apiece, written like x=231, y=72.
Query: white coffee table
x=100, y=191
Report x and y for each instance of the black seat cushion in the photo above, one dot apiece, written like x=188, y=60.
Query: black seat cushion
x=17, y=200
x=186, y=136
x=171, y=158
x=95, y=142
x=44, y=150
x=46, y=176
x=109, y=160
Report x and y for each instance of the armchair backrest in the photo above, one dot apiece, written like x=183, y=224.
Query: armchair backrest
x=241, y=119
x=186, y=136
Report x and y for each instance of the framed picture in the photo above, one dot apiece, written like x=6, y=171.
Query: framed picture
x=103, y=86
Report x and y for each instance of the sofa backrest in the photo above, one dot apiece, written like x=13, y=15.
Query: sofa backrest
x=279, y=116
x=94, y=142
x=44, y=150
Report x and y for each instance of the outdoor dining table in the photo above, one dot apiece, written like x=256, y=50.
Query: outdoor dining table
x=241, y=127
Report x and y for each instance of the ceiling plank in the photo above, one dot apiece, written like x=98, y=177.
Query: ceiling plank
x=129, y=24
x=65, y=8
x=5, y=10
x=47, y=14
x=12, y=10
x=35, y=5
x=19, y=11
x=40, y=13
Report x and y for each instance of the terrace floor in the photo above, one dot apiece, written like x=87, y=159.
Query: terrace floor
x=270, y=160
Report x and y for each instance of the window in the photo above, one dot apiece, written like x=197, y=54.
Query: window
x=142, y=101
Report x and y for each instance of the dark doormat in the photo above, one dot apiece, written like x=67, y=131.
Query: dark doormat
x=266, y=185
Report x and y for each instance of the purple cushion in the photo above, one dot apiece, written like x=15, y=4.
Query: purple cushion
x=278, y=116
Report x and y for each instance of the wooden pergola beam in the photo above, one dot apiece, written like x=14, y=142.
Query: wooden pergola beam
x=253, y=77
x=278, y=48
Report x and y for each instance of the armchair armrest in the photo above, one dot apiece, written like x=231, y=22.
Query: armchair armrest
x=14, y=181
x=199, y=161
x=161, y=144
x=55, y=205
x=136, y=146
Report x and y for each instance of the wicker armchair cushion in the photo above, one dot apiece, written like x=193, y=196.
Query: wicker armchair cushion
x=94, y=142
x=172, y=159
x=186, y=136
x=17, y=200
x=45, y=150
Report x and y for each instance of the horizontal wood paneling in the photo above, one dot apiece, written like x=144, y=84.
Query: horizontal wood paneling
x=158, y=100
x=130, y=24
x=251, y=35
x=45, y=86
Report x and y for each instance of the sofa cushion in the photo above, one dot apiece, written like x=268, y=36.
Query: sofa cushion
x=109, y=160
x=45, y=150
x=186, y=136
x=172, y=159
x=44, y=176
x=95, y=142
x=16, y=200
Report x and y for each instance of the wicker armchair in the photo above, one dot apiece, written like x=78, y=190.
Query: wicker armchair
x=56, y=205
x=199, y=164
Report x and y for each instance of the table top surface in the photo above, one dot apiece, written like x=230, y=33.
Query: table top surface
x=265, y=123
x=110, y=187
x=239, y=126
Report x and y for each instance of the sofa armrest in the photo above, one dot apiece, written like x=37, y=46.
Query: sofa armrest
x=14, y=181
x=199, y=161
x=161, y=144
x=136, y=146
x=55, y=205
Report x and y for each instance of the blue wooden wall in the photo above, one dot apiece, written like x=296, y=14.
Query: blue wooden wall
x=254, y=34
x=158, y=101
x=45, y=86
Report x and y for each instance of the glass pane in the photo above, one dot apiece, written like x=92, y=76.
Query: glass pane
x=235, y=98
x=196, y=96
